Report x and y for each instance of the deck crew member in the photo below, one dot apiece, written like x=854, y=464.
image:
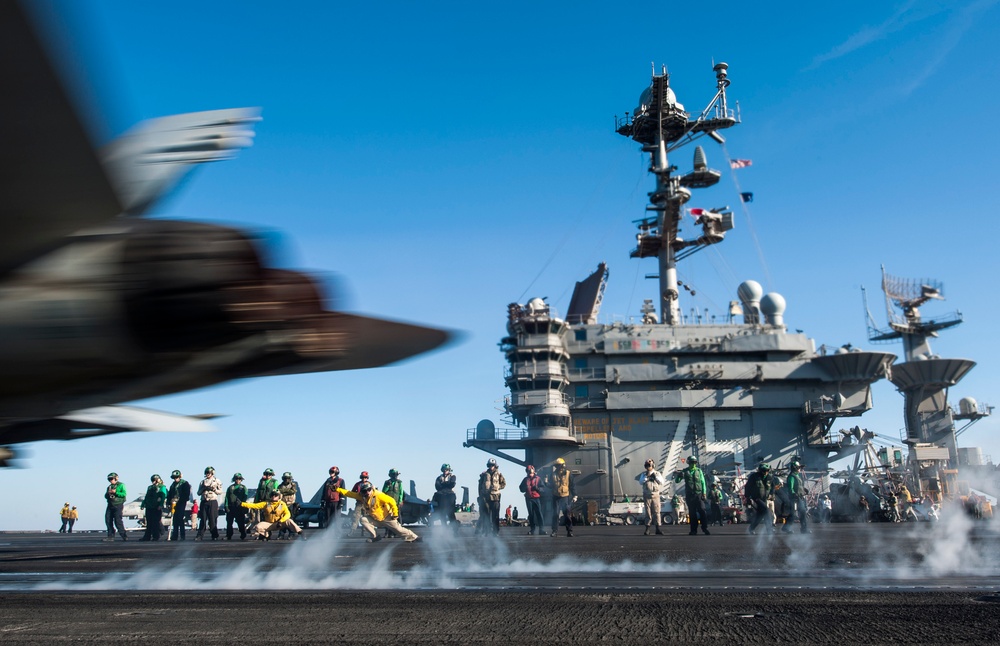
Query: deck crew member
x=797, y=493
x=356, y=513
x=235, y=512
x=393, y=487
x=715, y=497
x=64, y=516
x=378, y=510
x=757, y=490
x=652, y=483
x=115, y=495
x=491, y=482
x=208, y=513
x=177, y=497
x=333, y=502
x=563, y=496
x=694, y=495
x=444, y=496
x=152, y=504
x=274, y=515
x=288, y=490
x=531, y=487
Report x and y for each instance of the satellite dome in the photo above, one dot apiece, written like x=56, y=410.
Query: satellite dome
x=771, y=304
x=750, y=291
x=842, y=350
x=646, y=99
x=968, y=406
x=537, y=306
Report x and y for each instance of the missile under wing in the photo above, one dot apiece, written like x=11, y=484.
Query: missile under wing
x=99, y=306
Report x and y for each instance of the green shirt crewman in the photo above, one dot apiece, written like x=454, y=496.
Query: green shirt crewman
x=797, y=492
x=115, y=496
x=152, y=503
x=694, y=495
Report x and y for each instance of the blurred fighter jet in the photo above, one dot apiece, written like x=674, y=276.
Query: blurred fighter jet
x=99, y=306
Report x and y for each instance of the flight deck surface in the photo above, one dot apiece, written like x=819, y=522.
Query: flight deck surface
x=916, y=583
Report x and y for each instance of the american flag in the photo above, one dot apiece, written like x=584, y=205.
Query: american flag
x=740, y=163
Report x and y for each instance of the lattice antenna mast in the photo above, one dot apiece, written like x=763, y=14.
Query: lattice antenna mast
x=907, y=296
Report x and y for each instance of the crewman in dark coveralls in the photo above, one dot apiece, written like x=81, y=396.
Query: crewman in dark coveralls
x=333, y=502
x=444, y=496
x=178, y=497
x=757, y=490
x=235, y=512
x=152, y=504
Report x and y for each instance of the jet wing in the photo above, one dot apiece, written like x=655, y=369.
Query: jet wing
x=104, y=420
x=53, y=182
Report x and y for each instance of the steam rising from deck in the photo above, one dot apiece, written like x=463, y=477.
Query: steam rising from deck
x=444, y=561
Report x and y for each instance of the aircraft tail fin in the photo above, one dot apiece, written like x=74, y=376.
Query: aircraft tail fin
x=150, y=159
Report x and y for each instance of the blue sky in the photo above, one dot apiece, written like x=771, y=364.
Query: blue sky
x=436, y=164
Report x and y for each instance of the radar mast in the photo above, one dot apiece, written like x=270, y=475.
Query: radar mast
x=661, y=125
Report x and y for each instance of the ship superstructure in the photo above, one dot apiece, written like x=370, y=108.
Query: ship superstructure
x=605, y=397
x=924, y=379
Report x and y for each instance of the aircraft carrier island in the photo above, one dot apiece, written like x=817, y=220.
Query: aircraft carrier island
x=733, y=393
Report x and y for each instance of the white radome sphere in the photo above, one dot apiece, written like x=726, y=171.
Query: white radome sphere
x=750, y=291
x=773, y=303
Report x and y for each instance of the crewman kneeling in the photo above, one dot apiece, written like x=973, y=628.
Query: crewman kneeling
x=378, y=510
x=274, y=516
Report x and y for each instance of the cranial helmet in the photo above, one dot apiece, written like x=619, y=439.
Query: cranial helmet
x=560, y=462
x=491, y=463
x=366, y=487
x=287, y=475
x=393, y=473
x=112, y=475
x=529, y=468
x=154, y=477
x=764, y=467
x=445, y=467
x=237, y=476
x=334, y=470
x=269, y=472
x=364, y=474
x=175, y=474
x=209, y=470
x=795, y=464
x=276, y=494
x=692, y=460
x=648, y=464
